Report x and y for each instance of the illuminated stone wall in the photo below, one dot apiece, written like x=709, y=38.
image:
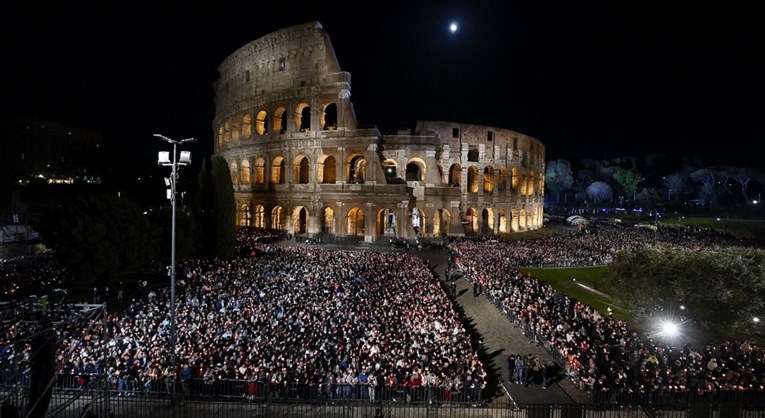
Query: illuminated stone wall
x=299, y=162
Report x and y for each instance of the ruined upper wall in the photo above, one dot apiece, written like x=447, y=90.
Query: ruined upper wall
x=290, y=58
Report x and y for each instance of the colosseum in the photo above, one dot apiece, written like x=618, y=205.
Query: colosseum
x=300, y=163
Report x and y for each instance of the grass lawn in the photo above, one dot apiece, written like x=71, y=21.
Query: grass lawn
x=562, y=280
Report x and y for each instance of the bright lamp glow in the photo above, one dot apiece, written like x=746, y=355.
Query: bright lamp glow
x=164, y=157
x=185, y=157
x=669, y=329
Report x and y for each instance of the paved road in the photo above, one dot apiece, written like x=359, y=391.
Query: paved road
x=500, y=339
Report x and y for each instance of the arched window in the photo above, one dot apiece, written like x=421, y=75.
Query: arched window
x=245, y=172
x=473, y=179
x=455, y=175
x=247, y=126
x=327, y=170
x=488, y=180
x=260, y=171
x=261, y=123
x=234, y=173
x=300, y=170
x=329, y=117
x=280, y=120
x=277, y=171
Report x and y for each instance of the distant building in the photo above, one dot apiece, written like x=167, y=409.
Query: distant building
x=300, y=163
x=49, y=152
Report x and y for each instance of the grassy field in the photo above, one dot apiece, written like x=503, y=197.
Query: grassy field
x=570, y=281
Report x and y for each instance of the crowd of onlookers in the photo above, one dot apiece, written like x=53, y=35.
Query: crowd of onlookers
x=290, y=317
x=333, y=322
x=601, y=353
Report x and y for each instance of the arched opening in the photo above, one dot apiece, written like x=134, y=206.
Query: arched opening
x=247, y=126
x=487, y=221
x=412, y=172
x=441, y=223
x=300, y=220
x=488, y=180
x=502, y=221
x=261, y=123
x=385, y=223
x=328, y=221
x=245, y=216
x=235, y=132
x=522, y=220
x=279, y=218
x=226, y=132
x=234, y=173
x=300, y=173
x=327, y=170
x=473, y=179
x=277, y=171
x=390, y=168
x=259, y=221
x=455, y=175
x=514, y=215
x=524, y=184
x=532, y=183
x=280, y=120
x=220, y=135
x=354, y=225
x=303, y=117
x=329, y=117
x=260, y=171
x=502, y=179
x=516, y=180
x=357, y=167
x=245, y=172
x=471, y=221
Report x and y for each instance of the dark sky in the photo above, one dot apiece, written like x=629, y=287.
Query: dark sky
x=589, y=79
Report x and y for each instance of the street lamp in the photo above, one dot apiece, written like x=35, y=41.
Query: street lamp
x=164, y=160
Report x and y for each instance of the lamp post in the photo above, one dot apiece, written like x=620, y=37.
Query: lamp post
x=164, y=160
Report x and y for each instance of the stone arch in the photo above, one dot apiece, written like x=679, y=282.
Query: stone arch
x=300, y=220
x=259, y=218
x=502, y=179
x=471, y=217
x=441, y=221
x=391, y=170
x=514, y=216
x=220, y=135
x=354, y=222
x=415, y=170
x=260, y=171
x=356, y=168
x=327, y=170
x=244, y=171
x=503, y=222
x=385, y=222
x=226, y=132
x=277, y=170
x=246, y=126
x=532, y=184
x=280, y=120
x=487, y=221
x=515, y=182
x=327, y=221
x=524, y=184
x=488, y=179
x=261, y=123
x=522, y=220
x=279, y=218
x=234, y=172
x=329, y=117
x=303, y=117
x=455, y=175
x=235, y=131
x=473, y=179
x=300, y=170
x=245, y=216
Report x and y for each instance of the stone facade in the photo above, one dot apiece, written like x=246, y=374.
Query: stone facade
x=300, y=163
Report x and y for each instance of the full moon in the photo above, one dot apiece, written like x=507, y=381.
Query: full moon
x=453, y=27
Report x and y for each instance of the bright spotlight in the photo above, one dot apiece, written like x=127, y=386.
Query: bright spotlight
x=755, y=319
x=669, y=329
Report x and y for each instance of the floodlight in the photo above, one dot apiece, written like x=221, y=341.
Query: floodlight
x=169, y=194
x=669, y=329
x=167, y=181
x=164, y=158
x=185, y=157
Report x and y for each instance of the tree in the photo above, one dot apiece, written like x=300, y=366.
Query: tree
x=707, y=179
x=599, y=190
x=224, y=208
x=743, y=176
x=100, y=237
x=648, y=197
x=722, y=288
x=629, y=181
x=558, y=177
x=675, y=184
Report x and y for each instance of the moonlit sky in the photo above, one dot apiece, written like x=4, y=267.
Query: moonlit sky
x=589, y=79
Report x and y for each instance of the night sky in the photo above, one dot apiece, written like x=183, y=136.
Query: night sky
x=589, y=79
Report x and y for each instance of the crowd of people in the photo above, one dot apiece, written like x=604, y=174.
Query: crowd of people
x=322, y=320
x=602, y=354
